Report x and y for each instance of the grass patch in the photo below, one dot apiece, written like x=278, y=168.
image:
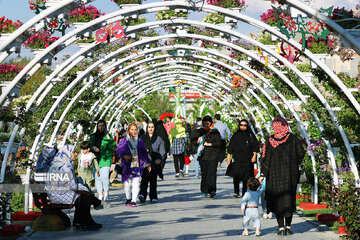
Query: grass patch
x=312, y=213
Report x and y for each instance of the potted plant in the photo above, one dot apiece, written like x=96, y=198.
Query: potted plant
x=84, y=14
x=214, y=18
x=234, y=4
x=320, y=47
x=169, y=14
x=127, y=3
x=269, y=18
x=40, y=41
x=7, y=26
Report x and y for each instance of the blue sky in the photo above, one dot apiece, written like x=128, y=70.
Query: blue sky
x=19, y=10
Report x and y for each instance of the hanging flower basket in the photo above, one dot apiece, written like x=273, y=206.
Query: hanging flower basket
x=169, y=14
x=127, y=3
x=84, y=14
x=8, y=26
x=214, y=18
x=239, y=4
x=40, y=40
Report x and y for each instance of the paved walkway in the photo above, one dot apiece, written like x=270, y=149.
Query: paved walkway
x=182, y=214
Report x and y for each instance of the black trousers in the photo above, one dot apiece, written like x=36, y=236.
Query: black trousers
x=236, y=181
x=179, y=159
x=146, y=178
x=222, y=151
x=280, y=221
x=82, y=205
x=208, y=176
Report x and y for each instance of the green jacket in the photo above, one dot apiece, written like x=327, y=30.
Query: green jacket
x=106, y=151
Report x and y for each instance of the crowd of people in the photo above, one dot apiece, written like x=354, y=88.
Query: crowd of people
x=138, y=152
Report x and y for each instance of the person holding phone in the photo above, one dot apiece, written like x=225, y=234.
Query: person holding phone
x=102, y=145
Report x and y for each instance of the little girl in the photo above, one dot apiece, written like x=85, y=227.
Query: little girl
x=250, y=201
x=86, y=162
x=135, y=158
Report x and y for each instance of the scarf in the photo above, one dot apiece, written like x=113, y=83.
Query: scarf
x=281, y=133
x=149, y=141
x=132, y=143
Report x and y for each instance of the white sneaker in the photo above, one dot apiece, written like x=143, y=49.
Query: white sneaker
x=270, y=215
x=100, y=197
x=106, y=198
x=265, y=216
x=245, y=233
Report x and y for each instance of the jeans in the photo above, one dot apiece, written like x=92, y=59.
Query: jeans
x=179, y=159
x=197, y=165
x=132, y=188
x=251, y=214
x=102, y=182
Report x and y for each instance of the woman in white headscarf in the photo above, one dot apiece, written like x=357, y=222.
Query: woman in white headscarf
x=68, y=191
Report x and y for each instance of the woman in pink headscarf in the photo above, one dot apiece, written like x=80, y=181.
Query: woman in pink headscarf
x=282, y=154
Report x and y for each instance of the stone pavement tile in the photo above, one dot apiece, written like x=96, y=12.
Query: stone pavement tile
x=181, y=214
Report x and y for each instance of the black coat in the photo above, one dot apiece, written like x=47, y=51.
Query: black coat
x=280, y=166
x=242, y=146
x=210, y=153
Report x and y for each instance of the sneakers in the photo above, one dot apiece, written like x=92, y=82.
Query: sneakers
x=203, y=195
x=235, y=195
x=102, y=205
x=128, y=203
x=258, y=233
x=154, y=200
x=245, y=233
x=133, y=204
x=100, y=197
x=288, y=231
x=265, y=216
x=177, y=175
x=270, y=215
x=181, y=174
x=212, y=194
x=141, y=198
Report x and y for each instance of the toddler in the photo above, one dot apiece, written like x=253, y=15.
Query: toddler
x=249, y=206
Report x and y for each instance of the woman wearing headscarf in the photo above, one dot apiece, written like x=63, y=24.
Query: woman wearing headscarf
x=209, y=141
x=156, y=150
x=177, y=139
x=244, y=147
x=134, y=158
x=161, y=132
x=72, y=192
x=102, y=145
x=282, y=154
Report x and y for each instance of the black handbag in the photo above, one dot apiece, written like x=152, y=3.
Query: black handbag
x=230, y=170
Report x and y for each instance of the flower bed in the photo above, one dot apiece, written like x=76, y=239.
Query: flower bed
x=320, y=45
x=311, y=206
x=84, y=14
x=269, y=18
x=8, y=26
x=228, y=3
x=40, y=40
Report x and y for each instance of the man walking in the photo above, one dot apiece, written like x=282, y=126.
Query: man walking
x=225, y=135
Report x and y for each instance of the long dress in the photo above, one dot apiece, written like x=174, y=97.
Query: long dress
x=280, y=166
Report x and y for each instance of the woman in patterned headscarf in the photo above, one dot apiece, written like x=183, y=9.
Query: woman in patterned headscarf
x=281, y=157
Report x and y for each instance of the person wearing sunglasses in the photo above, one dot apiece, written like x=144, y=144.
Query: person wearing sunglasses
x=243, y=147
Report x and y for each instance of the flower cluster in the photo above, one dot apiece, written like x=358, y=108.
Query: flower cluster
x=120, y=2
x=227, y=3
x=164, y=15
x=8, y=26
x=320, y=45
x=214, y=18
x=9, y=71
x=36, y=4
x=40, y=40
x=84, y=14
x=6, y=114
x=269, y=18
x=303, y=197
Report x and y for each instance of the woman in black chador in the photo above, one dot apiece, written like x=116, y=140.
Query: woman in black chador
x=282, y=154
x=244, y=147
